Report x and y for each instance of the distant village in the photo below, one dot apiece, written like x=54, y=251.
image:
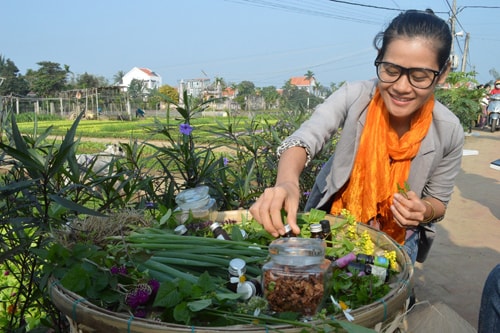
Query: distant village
x=203, y=87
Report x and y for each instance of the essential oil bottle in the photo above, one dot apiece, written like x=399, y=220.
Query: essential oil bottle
x=219, y=232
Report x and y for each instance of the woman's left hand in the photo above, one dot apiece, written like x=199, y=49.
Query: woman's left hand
x=408, y=211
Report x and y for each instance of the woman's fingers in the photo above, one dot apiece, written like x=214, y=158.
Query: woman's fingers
x=267, y=209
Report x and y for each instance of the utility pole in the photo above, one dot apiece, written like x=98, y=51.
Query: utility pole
x=466, y=51
x=454, y=59
x=452, y=24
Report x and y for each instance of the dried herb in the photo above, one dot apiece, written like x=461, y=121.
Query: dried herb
x=289, y=291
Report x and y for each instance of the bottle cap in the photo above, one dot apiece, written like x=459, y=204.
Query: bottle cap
x=236, y=265
x=214, y=226
x=180, y=229
x=325, y=225
x=246, y=289
x=316, y=227
x=296, y=251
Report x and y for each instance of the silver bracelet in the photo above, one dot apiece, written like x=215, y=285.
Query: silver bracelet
x=293, y=142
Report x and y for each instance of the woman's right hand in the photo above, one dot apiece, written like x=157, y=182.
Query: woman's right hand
x=267, y=209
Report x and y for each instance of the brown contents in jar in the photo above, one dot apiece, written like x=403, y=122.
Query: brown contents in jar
x=289, y=291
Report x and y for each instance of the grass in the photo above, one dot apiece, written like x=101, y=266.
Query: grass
x=136, y=129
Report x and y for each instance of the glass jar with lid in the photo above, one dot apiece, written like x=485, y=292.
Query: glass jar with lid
x=196, y=201
x=297, y=276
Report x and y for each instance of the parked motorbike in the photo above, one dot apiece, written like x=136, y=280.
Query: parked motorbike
x=494, y=112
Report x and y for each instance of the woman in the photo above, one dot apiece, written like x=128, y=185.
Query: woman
x=394, y=134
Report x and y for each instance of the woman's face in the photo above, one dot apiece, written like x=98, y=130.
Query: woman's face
x=400, y=97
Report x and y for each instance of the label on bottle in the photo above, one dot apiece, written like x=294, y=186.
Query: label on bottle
x=381, y=272
x=381, y=261
x=221, y=237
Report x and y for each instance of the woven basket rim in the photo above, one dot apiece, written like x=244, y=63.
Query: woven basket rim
x=77, y=308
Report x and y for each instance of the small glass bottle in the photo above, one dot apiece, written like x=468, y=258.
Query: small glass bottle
x=373, y=260
x=345, y=260
x=316, y=231
x=181, y=230
x=381, y=272
x=248, y=289
x=238, y=284
x=288, y=231
x=219, y=232
x=297, y=276
x=236, y=268
x=327, y=232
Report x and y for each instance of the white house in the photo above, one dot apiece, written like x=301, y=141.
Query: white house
x=193, y=87
x=150, y=78
x=304, y=83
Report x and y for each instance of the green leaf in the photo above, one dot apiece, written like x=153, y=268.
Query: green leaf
x=168, y=295
x=229, y=296
x=206, y=282
x=182, y=313
x=77, y=280
x=74, y=206
x=199, y=305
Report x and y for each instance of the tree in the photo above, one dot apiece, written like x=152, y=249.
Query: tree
x=13, y=82
x=86, y=80
x=137, y=88
x=309, y=76
x=170, y=92
x=460, y=98
x=245, y=90
x=118, y=77
x=271, y=96
x=49, y=79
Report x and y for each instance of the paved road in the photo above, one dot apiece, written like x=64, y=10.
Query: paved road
x=467, y=244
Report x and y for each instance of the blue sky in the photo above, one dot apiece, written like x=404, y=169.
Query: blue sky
x=263, y=41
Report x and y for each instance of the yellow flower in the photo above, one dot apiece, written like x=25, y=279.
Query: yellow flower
x=351, y=232
x=393, y=263
x=365, y=243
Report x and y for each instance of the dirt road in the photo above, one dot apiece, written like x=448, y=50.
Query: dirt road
x=467, y=244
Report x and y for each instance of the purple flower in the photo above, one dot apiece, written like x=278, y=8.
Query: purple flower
x=118, y=270
x=6, y=273
x=307, y=193
x=185, y=129
x=150, y=205
x=225, y=160
x=138, y=296
x=155, y=285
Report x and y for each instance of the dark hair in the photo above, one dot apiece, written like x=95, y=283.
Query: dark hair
x=416, y=23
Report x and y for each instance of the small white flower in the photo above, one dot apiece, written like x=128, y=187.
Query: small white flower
x=342, y=306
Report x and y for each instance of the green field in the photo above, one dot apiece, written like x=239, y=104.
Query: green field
x=207, y=129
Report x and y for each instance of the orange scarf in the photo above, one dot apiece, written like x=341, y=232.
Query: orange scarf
x=382, y=162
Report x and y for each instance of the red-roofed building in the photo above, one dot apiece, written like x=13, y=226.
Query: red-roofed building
x=150, y=78
x=302, y=82
x=229, y=92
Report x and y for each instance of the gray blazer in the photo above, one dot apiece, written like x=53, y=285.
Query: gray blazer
x=433, y=170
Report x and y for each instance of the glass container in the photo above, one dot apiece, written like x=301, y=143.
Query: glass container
x=196, y=201
x=297, y=276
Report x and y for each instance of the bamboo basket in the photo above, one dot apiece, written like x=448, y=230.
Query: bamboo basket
x=85, y=317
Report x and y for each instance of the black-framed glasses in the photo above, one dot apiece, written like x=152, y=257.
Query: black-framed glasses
x=421, y=78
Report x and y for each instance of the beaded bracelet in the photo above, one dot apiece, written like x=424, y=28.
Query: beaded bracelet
x=433, y=212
